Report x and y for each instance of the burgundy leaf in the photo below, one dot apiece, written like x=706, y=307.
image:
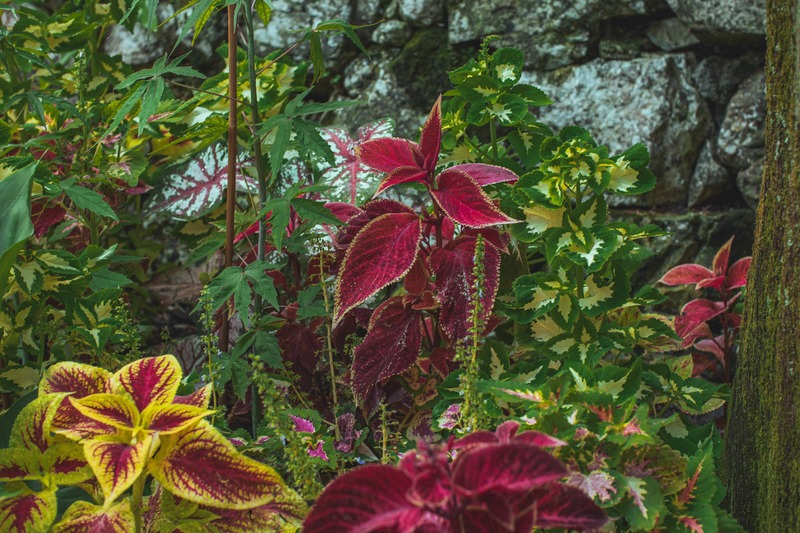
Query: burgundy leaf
x=569, y=508
x=713, y=346
x=720, y=265
x=717, y=282
x=686, y=274
x=199, y=186
x=343, y=211
x=455, y=281
x=350, y=179
x=462, y=199
x=401, y=175
x=698, y=311
x=370, y=211
x=391, y=346
x=417, y=278
x=370, y=498
x=300, y=345
x=510, y=466
x=487, y=174
x=737, y=274
x=381, y=253
x=389, y=153
x=44, y=217
x=431, y=136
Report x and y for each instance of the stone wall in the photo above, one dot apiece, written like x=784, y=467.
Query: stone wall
x=684, y=77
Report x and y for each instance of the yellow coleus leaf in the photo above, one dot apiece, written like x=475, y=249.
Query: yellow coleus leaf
x=25, y=511
x=149, y=380
x=83, y=516
x=167, y=419
x=623, y=177
x=595, y=294
x=118, y=460
x=112, y=409
x=540, y=218
x=64, y=464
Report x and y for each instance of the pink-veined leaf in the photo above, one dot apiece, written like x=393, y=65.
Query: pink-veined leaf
x=391, y=346
x=199, y=398
x=401, y=175
x=737, y=274
x=166, y=419
x=116, y=461
x=199, y=186
x=509, y=466
x=431, y=136
x=350, y=179
x=388, y=153
x=150, y=380
x=111, y=409
x=84, y=517
x=369, y=498
x=455, y=282
x=720, y=264
x=462, y=199
x=486, y=174
x=31, y=428
x=686, y=275
x=77, y=379
x=302, y=425
x=381, y=253
x=567, y=507
x=202, y=466
x=25, y=511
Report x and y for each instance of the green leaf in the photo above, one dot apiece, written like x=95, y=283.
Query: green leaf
x=314, y=211
x=263, y=284
x=283, y=136
x=150, y=101
x=124, y=107
x=279, y=219
x=105, y=279
x=347, y=29
x=264, y=11
x=317, y=57
x=88, y=199
x=311, y=141
x=15, y=194
x=308, y=306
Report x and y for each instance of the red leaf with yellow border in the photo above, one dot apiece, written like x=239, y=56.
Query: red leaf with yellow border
x=83, y=517
x=462, y=199
x=166, y=419
x=202, y=466
x=27, y=511
x=117, y=461
x=150, y=380
x=110, y=409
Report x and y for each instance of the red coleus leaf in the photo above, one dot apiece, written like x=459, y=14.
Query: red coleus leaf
x=381, y=253
x=350, y=178
x=77, y=379
x=569, y=508
x=455, y=281
x=343, y=211
x=713, y=346
x=698, y=311
x=737, y=274
x=370, y=498
x=370, y=212
x=389, y=153
x=115, y=464
x=44, y=217
x=199, y=186
x=391, y=346
x=199, y=398
x=720, y=264
x=27, y=511
x=686, y=275
x=486, y=174
x=431, y=136
x=202, y=466
x=507, y=432
x=462, y=199
x=402, y=175
x=150, y=380
x=509, y=466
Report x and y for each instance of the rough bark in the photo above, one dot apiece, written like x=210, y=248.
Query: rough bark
x=763, y=441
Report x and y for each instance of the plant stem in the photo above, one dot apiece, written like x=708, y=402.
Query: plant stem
x=328, y=335
x=136, y=501
x=231, y=193
x=493, y=133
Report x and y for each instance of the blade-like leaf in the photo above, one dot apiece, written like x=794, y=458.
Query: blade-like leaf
x=462, y=200
x=720, y=264
x=486, y=174
x=381, y=253
x=392, y=345
x=386, y=154
x=401, y=175
x=166, y=419
x=737, y=274
x=112, y=409
x=153, y=380
x=227, y=479
x=431, y=135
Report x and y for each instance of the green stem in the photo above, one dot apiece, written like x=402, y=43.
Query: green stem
x=493, y=133
x=136, y=502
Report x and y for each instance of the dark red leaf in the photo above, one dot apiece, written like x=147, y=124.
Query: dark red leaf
x=717, y=282
x=455, y=284
x=391, y=346
x=417, y=278
x=381, y=253
x=300, y=345
x=737, y=274
x=713, y=346
x=720, y=265
x=370, y=498
x=462, y=199
x=44, y=217
x=401, y=175
x=569, y=508
x=686, y=274
x=431, y=136
x=487, y=174
x=343, y=211
x=510, y=466
x=386, y=154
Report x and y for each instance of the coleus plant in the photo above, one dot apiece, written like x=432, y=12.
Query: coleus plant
x=385, y=242
x=693, y=323
x=108, y=432
x=498, y=481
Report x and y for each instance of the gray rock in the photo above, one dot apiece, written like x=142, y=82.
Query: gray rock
x=671, y=35
x=728, y=22
x=741, y=137
x=371, y=11
x=649, y=100
x=749, y=183
x=710, y=179
x=551, y=34
x=421, y=12
x=620, y=48
x=717, y=78
x=392, y=33
x=139, y=47
x=289, y=16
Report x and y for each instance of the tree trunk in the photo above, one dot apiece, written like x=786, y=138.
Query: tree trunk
x=763, y=441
